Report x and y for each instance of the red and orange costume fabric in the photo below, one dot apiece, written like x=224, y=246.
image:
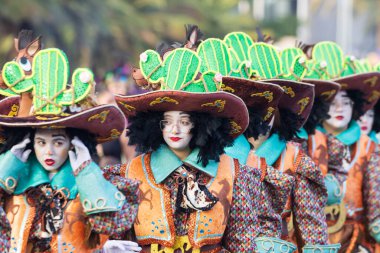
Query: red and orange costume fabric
x=352, y=220
x=80, y=201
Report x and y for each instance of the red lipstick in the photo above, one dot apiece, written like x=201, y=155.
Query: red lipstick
x=175, y=138
x=339, y=117
x=364, y=128
x=49, y=162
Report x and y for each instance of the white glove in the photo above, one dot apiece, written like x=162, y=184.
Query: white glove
x=80, y=155
x=116, y=246
x=19, y=151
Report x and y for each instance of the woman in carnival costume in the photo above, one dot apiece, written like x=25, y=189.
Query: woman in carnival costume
x=354, y=220
x=194, y=198
x=55, y=196
x=308, y=196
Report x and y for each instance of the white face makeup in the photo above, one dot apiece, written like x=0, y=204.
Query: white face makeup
x=176, y=127
x=51, y=147
x=366, y=122
x=262, y=138
x=340, y=113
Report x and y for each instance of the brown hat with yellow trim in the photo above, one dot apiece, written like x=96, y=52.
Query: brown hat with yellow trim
x=329, y=63
x=262, y=97
x=184, y=87
x=298, y=98
x=47, y=102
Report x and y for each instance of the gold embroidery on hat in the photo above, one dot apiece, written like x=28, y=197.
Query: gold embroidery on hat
x=371, y=80
x=46, y=118
x=217, y=103
x=128, y=107
x=235, y=128
x=289, y=91
x=344, y=85
x=163, y=99
x=375, y=95
x=102, y=116
x=114, y=134
x=303, y=103
x=328, y=93
x=269, y=113
x=14, y=110
x=224, y=87
x=266, y=94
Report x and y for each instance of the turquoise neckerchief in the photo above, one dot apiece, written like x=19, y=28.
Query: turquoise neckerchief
x=302, y=134
x=239, y=149
x=348, y=136
x=271, y=149
x=373, y=137
x=163, y=162
x=38, y=175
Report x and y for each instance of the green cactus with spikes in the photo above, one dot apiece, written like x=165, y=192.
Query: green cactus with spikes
x=215, y=56
x=48, y=82
x=180, y=70
x=354, y=66
x=376, y=68
x=267, y=64
x=328, y=60
x=294, y=62
x=239, y=43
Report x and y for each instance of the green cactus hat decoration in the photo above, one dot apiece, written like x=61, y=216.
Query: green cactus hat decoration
x=56, y=104
x=324, y=89
x=186, y=84
x=330, y=63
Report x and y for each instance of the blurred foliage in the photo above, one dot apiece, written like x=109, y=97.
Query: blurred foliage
x=100, y=34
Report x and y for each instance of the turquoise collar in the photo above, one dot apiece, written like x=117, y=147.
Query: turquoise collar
x=348, y=136
x=373, y=137
x=163, y=162
x=271, y=149
x=239, y=149
x=65, y=179
x=38, y=175
x=302, y=134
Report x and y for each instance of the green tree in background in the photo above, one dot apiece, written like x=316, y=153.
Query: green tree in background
x=99, y=33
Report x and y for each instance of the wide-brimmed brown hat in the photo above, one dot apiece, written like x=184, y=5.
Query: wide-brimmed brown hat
x=219, y=104
x=184, y=87
x=329, y=63
x=262, y=97
x=298, y=97
x=47, y=102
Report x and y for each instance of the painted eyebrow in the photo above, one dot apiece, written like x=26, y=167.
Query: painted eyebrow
x=60, y=135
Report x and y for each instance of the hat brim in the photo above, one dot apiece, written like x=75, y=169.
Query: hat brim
x=219, y=104
x=298, y=98
x=262, y=97
x=106, y=122
x=324, y=89
x=368, y=83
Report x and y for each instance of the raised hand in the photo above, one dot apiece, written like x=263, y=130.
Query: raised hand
x=81, y=154
x=19, y=149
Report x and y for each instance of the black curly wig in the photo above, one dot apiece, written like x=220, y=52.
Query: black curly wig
x=358, y=98
x=285, y=124
x=318, y=114
x=210, y=134
x=376, y=120
x=15, y=135
x=257, y=126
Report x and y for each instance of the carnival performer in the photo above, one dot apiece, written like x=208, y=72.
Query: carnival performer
x=307, y=197
x=352, y=158
x=194, y=198
x=55, y=196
